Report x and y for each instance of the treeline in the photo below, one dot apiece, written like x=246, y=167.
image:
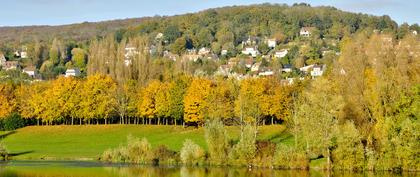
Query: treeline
x=99, y=99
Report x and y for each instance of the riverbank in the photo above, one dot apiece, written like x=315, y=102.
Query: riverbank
x=88, y=142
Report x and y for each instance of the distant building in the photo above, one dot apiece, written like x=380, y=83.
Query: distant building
x=224, y=52
x=203, y=51
x=251, y=51
x=74, y=72
x=414, y=32
x=31, y=71
x=2, y=59
x=159, y=36
x=306, y=69
x=8, y=65
x=233, y=62
x=287, y=68
x=24, y=53
x=271, y=43
x=130, y=51
x=306, y=31
x=282, y=53
x=256, y=67
x=170, y=55
x=250, y=41
x=318, y=70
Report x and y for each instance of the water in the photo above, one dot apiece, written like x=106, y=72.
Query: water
x=95, y=169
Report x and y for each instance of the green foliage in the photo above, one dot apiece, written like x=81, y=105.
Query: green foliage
x=139, y=151
x=191, y=153
x=13, y=122
x=287, y=157
x=349, y=152
x=244, y=152
x=217, y=141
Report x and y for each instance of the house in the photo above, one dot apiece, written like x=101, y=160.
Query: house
x=73, y=72
x=249, y=62
x=306, y=69
x=224, y=52
x=159, y=36
x=318, y=70
x=191, y=57
x=233, y=62
x=306, y=31
x=2, y=59
x=271, y=43
x=287, y=68
x=203, y=51
x=8, y=65
x=24, y=53
x=31, y=71
x=191, y=51
x=250, y=41
x=224, y=70
x=256, y=67
x=251, y=51
x=170, y=55
x=282, y=53
x=266, y=72
x=130, y=51
x=414, y=32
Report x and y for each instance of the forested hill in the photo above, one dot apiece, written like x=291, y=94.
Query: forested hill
x=78, y=32
x=258, y=20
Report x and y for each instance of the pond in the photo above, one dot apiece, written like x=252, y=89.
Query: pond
x=95, y=169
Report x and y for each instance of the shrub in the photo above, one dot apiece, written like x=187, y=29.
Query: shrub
x=13, y=122
x=265, y=153
x=287, y=157
x=3, y=151
x=163, y=154
x=139, y=151
x=217, y=142
x=191, y=153
x=244, y=152
x=115, y=155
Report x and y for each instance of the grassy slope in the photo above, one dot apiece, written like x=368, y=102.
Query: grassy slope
x=88, y=142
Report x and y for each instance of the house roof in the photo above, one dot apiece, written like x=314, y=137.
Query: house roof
x=310, y=29
x=29, y=68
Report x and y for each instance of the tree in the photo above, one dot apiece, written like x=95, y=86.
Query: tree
x=179, y=46
x=148, y=107
x=7, y=100
x=98, y=98
x=79, y=58
x=195, y=101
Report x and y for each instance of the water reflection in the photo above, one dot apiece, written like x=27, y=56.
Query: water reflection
x=93, y=169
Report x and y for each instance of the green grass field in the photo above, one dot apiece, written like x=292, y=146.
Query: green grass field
x=88, y=142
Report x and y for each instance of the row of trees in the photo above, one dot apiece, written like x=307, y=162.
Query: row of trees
x=99, y=99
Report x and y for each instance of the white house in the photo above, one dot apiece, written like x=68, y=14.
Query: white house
x=282, y=53
x=159, y=36
x=203, y=51
x=287, y=68
x=414, y=32
x=31, y=71
x=266, y=73
x=130, y=51
x=8, y=65
x=271, y=43
x=306, y=31
x=2, y=60
x=251, y=51
x=317, y=70
x=306, y=69
x=72, y=72
x=224, y=52
x=256, y=67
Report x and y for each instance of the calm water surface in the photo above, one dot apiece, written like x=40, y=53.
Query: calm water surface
x=94, y=169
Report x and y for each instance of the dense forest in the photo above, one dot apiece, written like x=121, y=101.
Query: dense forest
x=361, y=114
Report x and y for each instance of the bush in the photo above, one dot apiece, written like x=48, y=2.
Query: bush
x=244, y=152
x=191, y=153
x=139, y=151
x=349, y=154
x=115, y=155
x=287, y=157
x=217, y=142
x=163, y=154
x=13, y=122
x=3, y=152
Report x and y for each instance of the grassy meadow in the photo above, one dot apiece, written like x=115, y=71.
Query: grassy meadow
x=87, y=142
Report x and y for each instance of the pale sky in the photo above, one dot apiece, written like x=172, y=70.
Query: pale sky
x=58, y=12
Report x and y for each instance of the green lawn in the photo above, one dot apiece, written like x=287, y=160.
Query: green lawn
x=88, y=142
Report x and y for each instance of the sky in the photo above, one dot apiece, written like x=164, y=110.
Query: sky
x=58, y=12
